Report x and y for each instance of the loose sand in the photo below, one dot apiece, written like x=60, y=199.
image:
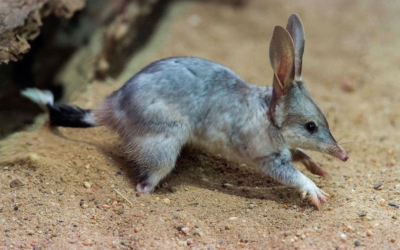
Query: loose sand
x=352, y=45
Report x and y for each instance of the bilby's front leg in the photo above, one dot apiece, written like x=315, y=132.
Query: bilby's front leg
x=300, y=155
x=279, y=167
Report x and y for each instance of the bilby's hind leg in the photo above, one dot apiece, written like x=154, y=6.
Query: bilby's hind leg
x=300, y=155
x=156, y=157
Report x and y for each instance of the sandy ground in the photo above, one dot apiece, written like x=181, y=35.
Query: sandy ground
x=350, y=45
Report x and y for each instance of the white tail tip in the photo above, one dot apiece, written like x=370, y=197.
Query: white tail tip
x=41, y=97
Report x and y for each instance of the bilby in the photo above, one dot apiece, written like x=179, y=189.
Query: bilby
x=187, y=101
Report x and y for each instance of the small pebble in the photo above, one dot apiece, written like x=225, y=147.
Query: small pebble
x=15, y=208
x=369, y=233
x=343, y=237
x=382, y=202
x=31, y=232
x=87, y=184
x=347, y=85
x=392, y=204
x=363, y=214
x=393, y=240
x=182, y=243
x=185, y=230
x=106, y=206
x=227, y=185
x=252, y=205
x=137, y=194
x=233, y=218
x=378, y=186
x=137, y=229
x=167, y=201
x=87, y=242
x=197, y=231
x=356, y=243
x=330, y=208
x=173, y=189
x=189, y=242
x=16, y=183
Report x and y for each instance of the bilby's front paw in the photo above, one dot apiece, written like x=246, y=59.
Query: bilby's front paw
x=317, y=196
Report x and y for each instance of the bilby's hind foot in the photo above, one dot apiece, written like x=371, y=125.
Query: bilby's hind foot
x=300, y=155
x=156, y=156
x=143, y=187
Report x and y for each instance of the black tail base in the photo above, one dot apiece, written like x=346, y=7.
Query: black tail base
x=68, y=116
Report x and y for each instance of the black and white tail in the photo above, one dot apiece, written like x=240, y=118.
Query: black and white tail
x=60, y=114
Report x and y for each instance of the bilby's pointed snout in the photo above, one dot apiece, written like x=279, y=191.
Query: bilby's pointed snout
x=338, y=152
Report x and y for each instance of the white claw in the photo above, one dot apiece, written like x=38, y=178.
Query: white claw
x=316, y=195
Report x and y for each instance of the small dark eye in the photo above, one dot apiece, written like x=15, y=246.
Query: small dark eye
x=311, y=127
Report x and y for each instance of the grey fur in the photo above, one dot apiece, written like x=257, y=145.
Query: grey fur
x=176, y=102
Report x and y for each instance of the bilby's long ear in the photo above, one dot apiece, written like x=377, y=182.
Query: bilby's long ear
x=296, y=31
x=281, y=56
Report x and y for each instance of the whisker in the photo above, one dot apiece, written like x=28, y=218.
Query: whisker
x=345, y=134
x=323, y=157
x=347, y=142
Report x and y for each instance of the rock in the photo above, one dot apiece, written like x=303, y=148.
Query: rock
x=185, y=230
x=137, y=229
x=182, y=243
x=197, y=231
x=87, y=184
x=87, y=242
x=378, y=186
x=347, y=85
x=16, y=183
x=173, y=189
x=166, y=201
